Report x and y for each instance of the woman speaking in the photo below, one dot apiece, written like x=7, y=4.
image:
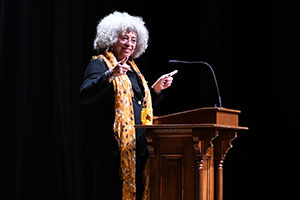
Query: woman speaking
x=115, y=93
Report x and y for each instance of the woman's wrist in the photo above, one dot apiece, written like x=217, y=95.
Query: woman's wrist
x=156, y=90
x=109, y=75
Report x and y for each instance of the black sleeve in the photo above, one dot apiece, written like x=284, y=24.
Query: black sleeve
x=156, y=98
x=95, y=82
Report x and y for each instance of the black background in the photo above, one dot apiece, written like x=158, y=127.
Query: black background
x=46, y=45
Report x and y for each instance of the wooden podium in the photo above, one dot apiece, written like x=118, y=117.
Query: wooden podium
x=187, y=152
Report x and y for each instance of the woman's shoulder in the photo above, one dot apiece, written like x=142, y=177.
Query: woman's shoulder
x=97, y=61
x=95, y=66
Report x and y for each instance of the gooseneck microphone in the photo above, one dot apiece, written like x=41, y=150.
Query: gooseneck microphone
x=203, y=63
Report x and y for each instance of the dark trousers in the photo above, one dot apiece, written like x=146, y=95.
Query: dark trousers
x=141, y=159
x=103, y=174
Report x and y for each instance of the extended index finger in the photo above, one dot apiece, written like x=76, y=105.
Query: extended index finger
x=122, y=62
x=173, y=73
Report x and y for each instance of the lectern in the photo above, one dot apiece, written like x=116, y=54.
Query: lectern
x=187, y=153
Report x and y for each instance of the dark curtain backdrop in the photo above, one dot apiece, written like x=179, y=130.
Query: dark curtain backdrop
x=41, y=64
x=46, y=45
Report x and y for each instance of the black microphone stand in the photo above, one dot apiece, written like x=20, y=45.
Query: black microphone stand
x=204, y=63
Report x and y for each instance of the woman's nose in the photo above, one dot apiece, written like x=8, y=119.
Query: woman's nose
x=129, y=43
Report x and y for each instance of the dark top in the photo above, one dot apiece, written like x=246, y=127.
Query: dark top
x=103, y=156
x=97, y=96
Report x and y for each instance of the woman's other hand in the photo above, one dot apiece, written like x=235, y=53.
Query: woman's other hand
x=163, y=82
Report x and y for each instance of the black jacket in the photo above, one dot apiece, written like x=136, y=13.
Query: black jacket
x=97, y=96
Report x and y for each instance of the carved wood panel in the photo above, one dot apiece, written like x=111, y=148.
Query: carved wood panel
x=171, y=177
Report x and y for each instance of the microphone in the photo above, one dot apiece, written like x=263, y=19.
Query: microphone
x=172, y=62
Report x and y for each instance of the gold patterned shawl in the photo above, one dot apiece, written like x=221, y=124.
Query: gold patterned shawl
x=124, y=127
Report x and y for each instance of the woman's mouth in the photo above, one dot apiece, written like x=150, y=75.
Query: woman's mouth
x=127, y=50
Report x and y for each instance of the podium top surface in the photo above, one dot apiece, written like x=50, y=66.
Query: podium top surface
x=213, y=116
x=204, y=109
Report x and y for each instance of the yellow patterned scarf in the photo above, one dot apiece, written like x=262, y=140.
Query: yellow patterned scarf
x=124, y=126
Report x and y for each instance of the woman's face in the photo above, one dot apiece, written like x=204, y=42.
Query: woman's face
x=125, y=45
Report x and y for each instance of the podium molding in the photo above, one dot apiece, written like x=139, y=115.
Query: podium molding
x=187, y=153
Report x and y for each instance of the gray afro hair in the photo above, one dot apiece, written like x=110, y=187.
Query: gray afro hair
x=116, y=23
